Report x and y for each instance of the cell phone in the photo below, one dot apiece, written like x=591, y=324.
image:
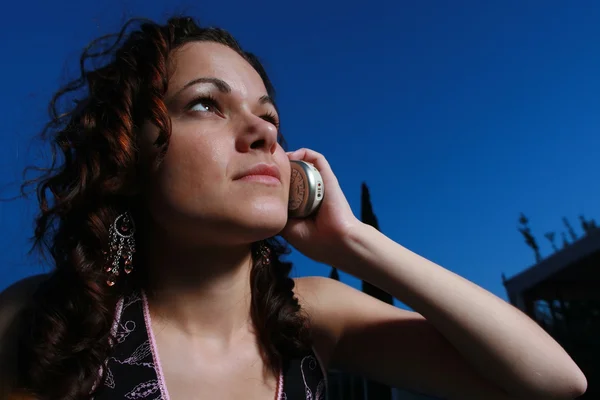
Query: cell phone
x=306, y=189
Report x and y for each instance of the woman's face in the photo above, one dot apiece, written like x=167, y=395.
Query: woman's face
x=213, y=186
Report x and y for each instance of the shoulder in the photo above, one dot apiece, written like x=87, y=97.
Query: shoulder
x=13, y=300
x=317, y=294
x=339, y=313
x=312, y=293
x=320, y=296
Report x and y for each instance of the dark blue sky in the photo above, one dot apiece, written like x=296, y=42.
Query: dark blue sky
x=458, y=114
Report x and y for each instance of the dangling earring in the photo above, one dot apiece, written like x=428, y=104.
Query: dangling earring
x=121, y=247
x=264, y=253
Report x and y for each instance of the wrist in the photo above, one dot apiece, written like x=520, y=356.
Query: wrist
x=355, y=248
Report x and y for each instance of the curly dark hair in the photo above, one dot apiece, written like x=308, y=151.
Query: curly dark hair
x=91, y=180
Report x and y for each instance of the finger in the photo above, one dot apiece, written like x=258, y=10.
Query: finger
x=315, y=158
x=304, y=154
x=294, y=228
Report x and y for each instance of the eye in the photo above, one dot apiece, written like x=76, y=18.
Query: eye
x=203, y=104
x=272, y=118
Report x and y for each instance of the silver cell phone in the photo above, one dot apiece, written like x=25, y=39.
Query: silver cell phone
x=306, y=189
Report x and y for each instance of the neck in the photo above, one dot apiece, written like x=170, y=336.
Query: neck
x=202, y=291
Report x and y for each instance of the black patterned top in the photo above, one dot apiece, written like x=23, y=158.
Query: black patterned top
x=133, y=371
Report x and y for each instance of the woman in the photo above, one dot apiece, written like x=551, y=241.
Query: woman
x=161, y=218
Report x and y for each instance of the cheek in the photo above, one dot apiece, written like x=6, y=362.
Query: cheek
x=286, y=170
x=192, y=166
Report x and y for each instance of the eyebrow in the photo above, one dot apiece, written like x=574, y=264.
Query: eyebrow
x=223, y=87
x=266, y=99
x=218, y=83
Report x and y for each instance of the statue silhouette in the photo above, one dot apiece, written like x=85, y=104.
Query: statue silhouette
x=570, y=229
x=550, y=236
x=565, y=241
x=585, y=225
x=529, y=239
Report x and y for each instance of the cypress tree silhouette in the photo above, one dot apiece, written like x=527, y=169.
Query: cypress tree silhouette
x=334, y=274
x=368, y=217
x=374, y=390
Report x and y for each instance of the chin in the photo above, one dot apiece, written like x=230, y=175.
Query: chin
x=265, y=221
x=230, y=224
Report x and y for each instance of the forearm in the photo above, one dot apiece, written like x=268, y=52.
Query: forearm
x=502, y=343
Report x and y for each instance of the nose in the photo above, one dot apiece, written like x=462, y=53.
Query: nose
x=257, y=134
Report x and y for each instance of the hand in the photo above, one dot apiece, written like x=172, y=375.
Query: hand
x=322, y=235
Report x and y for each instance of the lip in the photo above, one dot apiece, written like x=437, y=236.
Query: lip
x=259, y=172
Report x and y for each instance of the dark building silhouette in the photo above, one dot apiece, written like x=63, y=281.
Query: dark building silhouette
x=562, y=294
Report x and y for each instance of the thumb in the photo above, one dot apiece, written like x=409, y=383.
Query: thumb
x=295, y=229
